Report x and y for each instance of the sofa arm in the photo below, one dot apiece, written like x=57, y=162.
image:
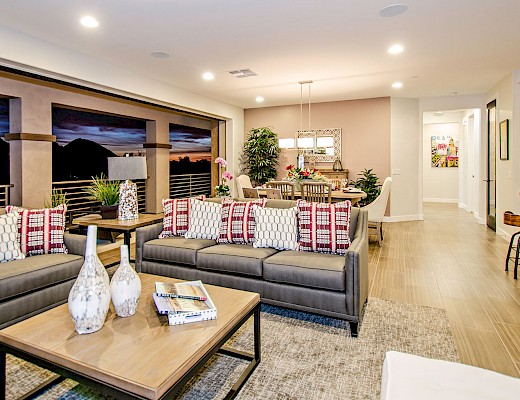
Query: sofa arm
x=356, y=267
x=75, y=243
x=143, y=235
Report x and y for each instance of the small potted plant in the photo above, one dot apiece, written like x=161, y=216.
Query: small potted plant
x=107, y=193
x=223, y=190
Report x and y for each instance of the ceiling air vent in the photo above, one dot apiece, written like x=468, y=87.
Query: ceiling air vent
x=243, y=73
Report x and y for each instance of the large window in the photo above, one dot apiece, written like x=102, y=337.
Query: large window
x=191, y=150
x=4, y=146
x=85, y=139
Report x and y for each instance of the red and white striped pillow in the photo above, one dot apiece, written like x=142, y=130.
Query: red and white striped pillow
x=238, y=221
x=41, y=231
x=176, y=219
x=323, y=227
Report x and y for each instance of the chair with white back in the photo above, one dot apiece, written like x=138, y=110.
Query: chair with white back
x=376, y=210
x=243, y=181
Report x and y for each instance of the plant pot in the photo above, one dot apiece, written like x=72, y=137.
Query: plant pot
x=108, y=212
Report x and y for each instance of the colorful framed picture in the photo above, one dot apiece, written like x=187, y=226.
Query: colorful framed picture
x=504, y=140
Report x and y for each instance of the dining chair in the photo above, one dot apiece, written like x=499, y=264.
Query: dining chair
x=319, y=192
x=286, y=188
x=336, y=183
x=273, y=193
x=250, y=193
x=243, y=181
x=376, y=210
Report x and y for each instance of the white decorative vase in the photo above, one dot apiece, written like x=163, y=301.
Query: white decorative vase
x=125, y=286
x=89, y=298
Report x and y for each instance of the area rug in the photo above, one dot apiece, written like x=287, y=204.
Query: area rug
x=304, y=356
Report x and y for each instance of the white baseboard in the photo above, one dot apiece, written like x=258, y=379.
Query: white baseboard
x=465, y=207
x=504, y=235
x=440, y=200
x=404, y=218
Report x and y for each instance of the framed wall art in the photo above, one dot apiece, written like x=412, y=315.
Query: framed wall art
x=504, y=140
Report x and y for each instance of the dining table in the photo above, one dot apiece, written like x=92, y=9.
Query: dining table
x=336, y=195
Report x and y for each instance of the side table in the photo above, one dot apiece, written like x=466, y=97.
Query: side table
x=126, y=227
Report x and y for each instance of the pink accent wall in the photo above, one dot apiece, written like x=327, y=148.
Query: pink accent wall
x=365, y=129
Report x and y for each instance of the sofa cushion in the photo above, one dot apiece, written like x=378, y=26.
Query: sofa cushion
x=233, y=258
x=33, y=273
x=175, y=249
x=9, y=242
x=238, y=222
x=176, y=216
x=276, y=228
x=205, y=220
x=318, y=270
x=41, y=231
x=324, y=227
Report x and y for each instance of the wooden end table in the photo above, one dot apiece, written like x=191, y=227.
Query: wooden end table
x=138, y=357
x=116, y=225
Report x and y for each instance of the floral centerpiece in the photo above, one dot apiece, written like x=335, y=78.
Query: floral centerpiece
x=223, y=190
x=297, y=174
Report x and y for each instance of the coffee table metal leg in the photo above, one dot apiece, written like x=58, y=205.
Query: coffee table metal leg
x=254, y=359
x=3, y=371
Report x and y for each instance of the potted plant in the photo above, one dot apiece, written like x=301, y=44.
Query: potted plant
x=368, y=184
x=260, y=155
x=222, y=189
x=107, y=193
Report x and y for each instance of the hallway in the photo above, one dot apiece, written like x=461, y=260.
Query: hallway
x=450, y=261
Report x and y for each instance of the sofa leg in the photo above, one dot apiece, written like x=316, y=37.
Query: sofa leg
x=353, y=328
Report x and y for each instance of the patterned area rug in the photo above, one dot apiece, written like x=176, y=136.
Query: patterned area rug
x=304, y=356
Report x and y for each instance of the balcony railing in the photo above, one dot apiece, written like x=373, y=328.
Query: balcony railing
x=190, y=185
x=78, y=201
x=4, y=195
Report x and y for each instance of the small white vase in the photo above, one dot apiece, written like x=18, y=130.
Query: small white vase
x=89, y=298
x=125, y=287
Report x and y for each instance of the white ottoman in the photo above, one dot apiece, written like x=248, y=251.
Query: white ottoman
x=409, y=377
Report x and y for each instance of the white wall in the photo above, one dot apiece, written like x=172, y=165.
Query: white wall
x=506, y=194
x=404, y=160
x=440, y=184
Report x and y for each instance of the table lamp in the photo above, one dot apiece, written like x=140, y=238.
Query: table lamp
x=125, y=169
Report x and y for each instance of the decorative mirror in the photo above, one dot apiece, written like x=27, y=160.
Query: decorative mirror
x=320, y=145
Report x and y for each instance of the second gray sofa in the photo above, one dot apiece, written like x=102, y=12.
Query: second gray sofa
x=326, y=284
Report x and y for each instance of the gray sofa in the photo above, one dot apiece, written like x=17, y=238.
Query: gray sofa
x=38, y=283
x=325, y=284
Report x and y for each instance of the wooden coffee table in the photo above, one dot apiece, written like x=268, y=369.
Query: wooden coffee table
x=138, y=357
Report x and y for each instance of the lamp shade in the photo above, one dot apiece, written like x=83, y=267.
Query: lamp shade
x=123, y=168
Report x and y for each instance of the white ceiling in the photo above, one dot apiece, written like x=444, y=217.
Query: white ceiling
x=462, y=46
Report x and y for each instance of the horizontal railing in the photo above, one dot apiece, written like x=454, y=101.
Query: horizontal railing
x=4, y=195
x=190, y=185
x=79, y=203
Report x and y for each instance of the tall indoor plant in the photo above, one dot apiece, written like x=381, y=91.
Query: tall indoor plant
x=260, y=155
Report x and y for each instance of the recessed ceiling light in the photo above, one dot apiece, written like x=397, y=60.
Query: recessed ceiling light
x=89, y=22
x=160, y=54
x=259, y=99
x=208, y=76
x=396, y=49
x=393, y=10
x=397, y=85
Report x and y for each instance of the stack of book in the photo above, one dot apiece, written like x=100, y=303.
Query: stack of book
x=184, y=302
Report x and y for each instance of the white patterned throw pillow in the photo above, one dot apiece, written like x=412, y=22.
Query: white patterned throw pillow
x=9, y=240
x=276, y=228
x=204, y=220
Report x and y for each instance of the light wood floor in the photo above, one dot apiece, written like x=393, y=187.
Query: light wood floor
x=450, y=261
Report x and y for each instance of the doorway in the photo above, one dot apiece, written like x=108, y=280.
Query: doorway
x=491, y=166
